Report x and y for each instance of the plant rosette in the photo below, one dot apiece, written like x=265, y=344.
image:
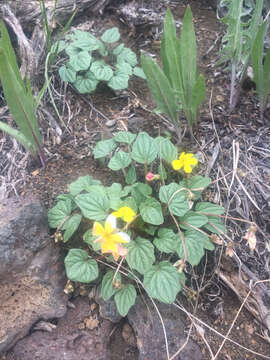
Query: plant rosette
x=155, y=229
x=92, y=60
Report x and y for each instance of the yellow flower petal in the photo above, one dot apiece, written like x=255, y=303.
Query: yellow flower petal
x=108, y=246
x=118, y=238
x=177, y=164
x=126, y=213
x=187, y=168
x=98, y=229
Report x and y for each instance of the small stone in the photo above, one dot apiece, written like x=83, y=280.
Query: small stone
x=110, y=123
x=128, y=335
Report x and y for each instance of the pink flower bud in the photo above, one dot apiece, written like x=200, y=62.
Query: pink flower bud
x=150, y=176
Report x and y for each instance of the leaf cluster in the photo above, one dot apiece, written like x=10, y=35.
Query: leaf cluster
x=19, y=97
x=176, y=86
x=172, y=223
x=92, y=60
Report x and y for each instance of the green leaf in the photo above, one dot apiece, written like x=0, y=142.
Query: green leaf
x=188, y=54
x=89, y=239
x=144, y=149
x=107, y=288
x=197, y=97
x=71, y=225
x=209, y=208
x=79, y=267
x=83, y=41
x=161, y=89
x=162, y=172
x=217, y=226
x=195, y=243
x=139, y=72
x=125, y=68
x=140, y=192
x=171, y=54
x=167, y=150
x=80, y=62
x=111, y=35
x=125, y=298
x=124, y=137
x=151, y=212
x=198, y=182
x=104, y=148
x=94, y=205
x=167, y=241
x=194, y=219
x=59, y=212
x=131, y=176
x=140, y=254
x=86, y=83
x=120, y=160
x=118, y=49
x=119, y=81
x=161, y=282
x=101, y=70
x=114, y=193
x=175, y=197
x=67, y=74
x=128, y=56
x=81, y=184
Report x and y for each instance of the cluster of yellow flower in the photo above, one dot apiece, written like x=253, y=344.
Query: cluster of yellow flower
x=110, y=236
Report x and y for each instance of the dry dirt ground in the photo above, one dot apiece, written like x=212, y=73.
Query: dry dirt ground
x=90, y=117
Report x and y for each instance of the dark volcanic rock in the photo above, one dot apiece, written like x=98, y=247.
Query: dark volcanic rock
x=150, y=337
x=32, y=276
x=73, y=339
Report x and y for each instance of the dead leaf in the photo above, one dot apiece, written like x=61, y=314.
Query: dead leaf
x=251, y=237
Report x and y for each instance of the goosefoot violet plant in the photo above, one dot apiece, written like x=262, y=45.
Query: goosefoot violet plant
x=92, y=60
x=155, y=225
x=176, y=86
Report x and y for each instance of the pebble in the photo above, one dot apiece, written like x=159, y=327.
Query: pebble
x=110, y=123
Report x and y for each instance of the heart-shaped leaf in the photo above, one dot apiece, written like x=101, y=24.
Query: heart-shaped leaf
x=140, y=254
x=79, y=267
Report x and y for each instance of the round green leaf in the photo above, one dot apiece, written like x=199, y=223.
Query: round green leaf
x=144, y=149
x=59, y=212
x=124, y=137
x=89, y=238
x=131, y=176
x=118, y=49
x=125, y=68
x=71, y=225
x=67, y=74
x=104, y=148
x=217, y=226
x=140, y=254
x=73, y=50
x=175, y=198
x=151, y=212
x=167, y=150
x=111, y=35
x=139, y=72
x=84, y=40
x=81, y=184
x=209, y=208
x=86, y=83
x=125, y=298
x=194, y=219
x=128, y=56
x=94, y=205
x=79, y=267
x=195, y=243
x=120, y=160
x=167, y=241
x=140, y=192
x=114, y=193
x=107, y=288
x=119, y=81
x=161, y=282
x=101, y=70
x=80, y=62
x=198, y=182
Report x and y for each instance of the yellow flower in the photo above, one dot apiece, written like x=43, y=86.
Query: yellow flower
x=186, y=160
x=110, y=238
x=126, y=213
